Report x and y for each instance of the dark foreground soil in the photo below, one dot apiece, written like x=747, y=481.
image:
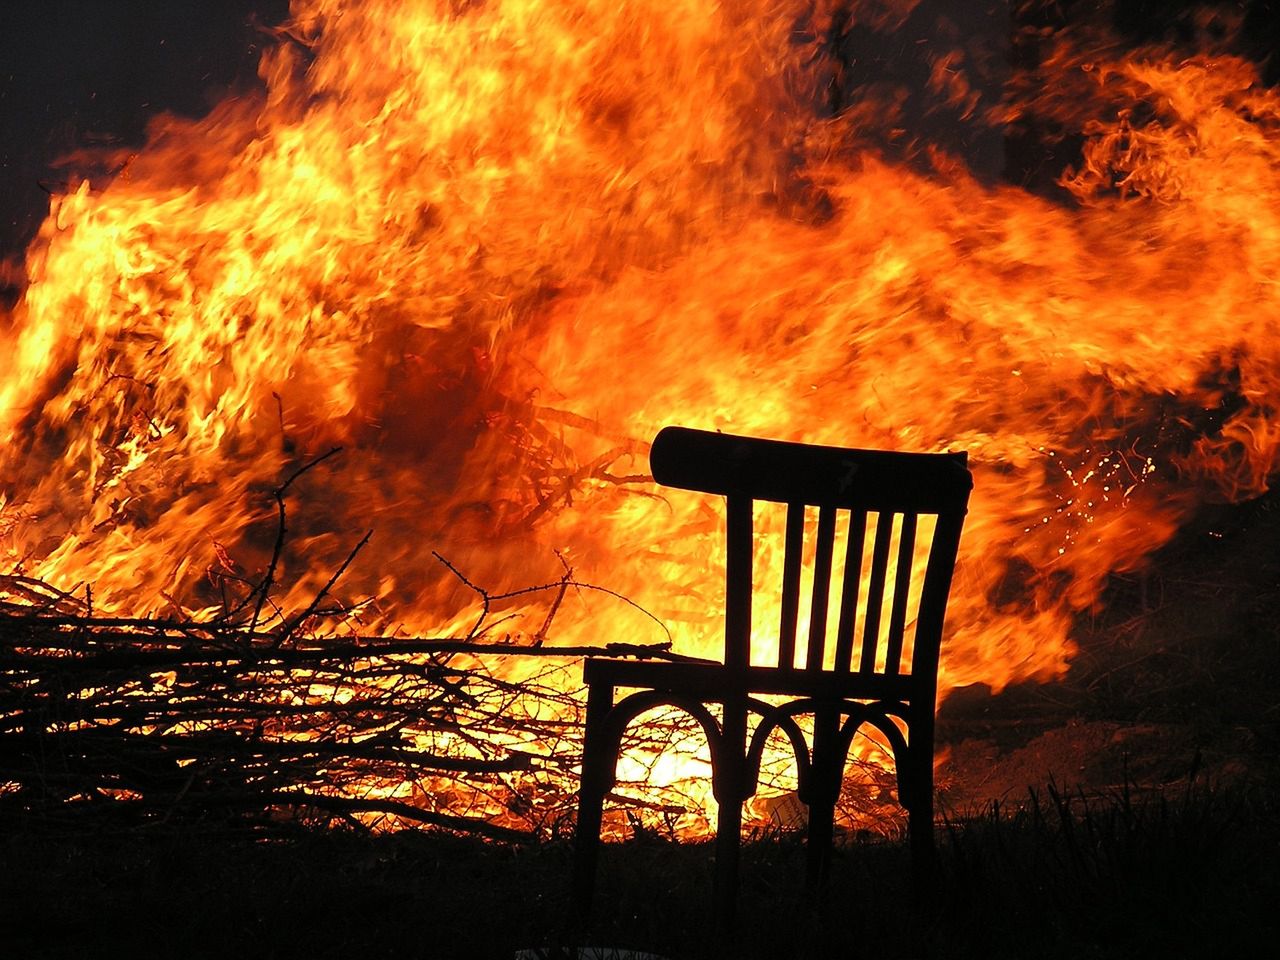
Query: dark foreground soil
x=1194, y=873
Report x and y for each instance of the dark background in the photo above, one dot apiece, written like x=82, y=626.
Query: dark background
x=81, y=73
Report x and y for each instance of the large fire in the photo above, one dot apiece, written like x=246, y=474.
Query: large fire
x=490, y=248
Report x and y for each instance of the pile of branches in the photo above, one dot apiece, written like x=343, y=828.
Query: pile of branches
x=154, y=721
x=254, y=716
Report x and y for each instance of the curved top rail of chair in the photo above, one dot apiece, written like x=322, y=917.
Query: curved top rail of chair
x=785, y=472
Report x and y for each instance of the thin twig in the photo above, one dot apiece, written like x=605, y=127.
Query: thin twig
x=268, y=580
x=291, y=625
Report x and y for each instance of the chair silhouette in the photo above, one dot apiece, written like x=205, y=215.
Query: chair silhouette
x=879, y=668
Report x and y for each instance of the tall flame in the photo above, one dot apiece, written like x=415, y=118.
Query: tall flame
x=489, y=248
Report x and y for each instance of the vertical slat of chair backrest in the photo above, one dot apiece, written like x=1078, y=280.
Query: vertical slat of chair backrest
x=933, y=597
x=901, y=590
x=821, y=586
x=737, y=620
x=875, y=591
x=792, y=559
x=849, y=590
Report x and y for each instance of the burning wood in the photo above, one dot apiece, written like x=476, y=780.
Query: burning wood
x=142, y=720
x=254, y=713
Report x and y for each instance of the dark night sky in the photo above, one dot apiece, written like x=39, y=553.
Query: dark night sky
x=75, y=72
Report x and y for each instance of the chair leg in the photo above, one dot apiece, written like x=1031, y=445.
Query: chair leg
x=728, y=847
x=596, y=764
x=826, y=775
x=586, y=849
x=731, y=790
x=920, y=817
x=818, y=851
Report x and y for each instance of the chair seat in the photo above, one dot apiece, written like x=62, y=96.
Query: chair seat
x=713, y=681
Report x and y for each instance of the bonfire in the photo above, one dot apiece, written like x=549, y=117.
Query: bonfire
x=325, y=414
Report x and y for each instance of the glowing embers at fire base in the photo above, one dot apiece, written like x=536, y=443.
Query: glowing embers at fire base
x=489, y=249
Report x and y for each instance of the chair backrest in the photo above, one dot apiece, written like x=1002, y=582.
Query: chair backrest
x=899, y=516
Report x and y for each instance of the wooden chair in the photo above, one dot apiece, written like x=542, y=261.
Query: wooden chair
x=866, y=679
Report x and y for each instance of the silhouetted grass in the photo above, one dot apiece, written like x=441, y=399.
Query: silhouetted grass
x=1189, y=875
x=1194, y=874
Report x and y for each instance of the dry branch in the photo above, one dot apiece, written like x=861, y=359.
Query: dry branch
x=256, y=715
x=146, y=721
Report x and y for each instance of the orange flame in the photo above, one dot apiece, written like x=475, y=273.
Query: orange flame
x=491, y=248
